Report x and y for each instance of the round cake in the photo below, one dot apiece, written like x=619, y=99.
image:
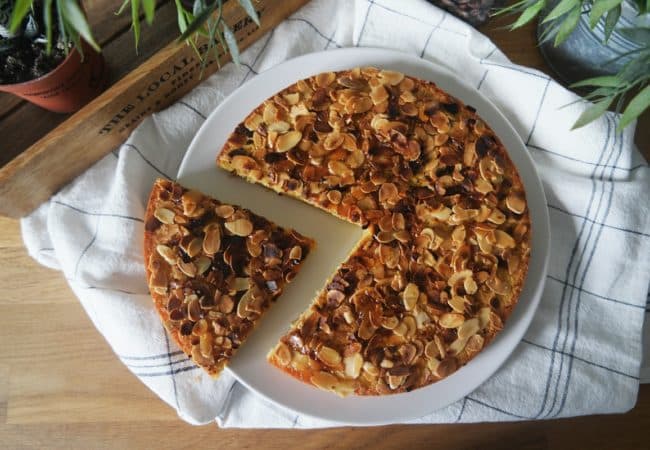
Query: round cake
x=447, y=243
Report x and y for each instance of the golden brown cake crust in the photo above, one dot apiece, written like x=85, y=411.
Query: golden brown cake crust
x=213, y=269
x=448, y=242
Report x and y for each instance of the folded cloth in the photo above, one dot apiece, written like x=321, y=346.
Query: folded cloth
x=583, y=351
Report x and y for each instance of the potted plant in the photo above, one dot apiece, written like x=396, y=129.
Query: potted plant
x=49, y=57
x=620, y=61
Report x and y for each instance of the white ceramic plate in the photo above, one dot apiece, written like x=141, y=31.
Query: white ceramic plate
x=335, y=238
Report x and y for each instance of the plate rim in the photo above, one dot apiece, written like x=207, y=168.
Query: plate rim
x=540, y=229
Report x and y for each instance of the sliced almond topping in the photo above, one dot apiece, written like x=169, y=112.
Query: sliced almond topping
x=516, y=203
x=391, y=77
x=410, y=296
x=353, y=365
x=167, y=253
x=283, y=354
x=243, y=163
x=188, y=268
x=329, y=356
x=457, y=303
x=334, y=196
x=240, y=227
x=324, y=380
x=296, y=253
x=224, y=211
x=212, y=239
x=286, y=142
x=469, y=328
x=503, y=239
x=451, y=320
x=202, y=264
x=164, y=215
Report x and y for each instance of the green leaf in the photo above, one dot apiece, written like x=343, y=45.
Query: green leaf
x=124, y=4
x=231, y=41
x=567, y=26
x=47, y=20
x=514, y=8
x=600, y=8
x=250, y=10
x=592, y=113
x=198, y=22
x=18, y=14
x=637, y=34
x=75, y=17
x=637, y=105
x=180, y=12
x=63, y=34
x=149, y=7
x=135, y=21
x=611, y=20
x=562, y=8
x=605, y=81
x=529, y=14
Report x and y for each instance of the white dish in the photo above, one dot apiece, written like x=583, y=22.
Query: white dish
x=335, y=238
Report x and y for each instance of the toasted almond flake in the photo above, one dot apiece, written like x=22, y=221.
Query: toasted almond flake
x=446, y=367
x=410, y=296
x=188, y=268
x=483, y=186
x=339, y=168
x=451, y=320
x=484, y=317
x=391, y=77
x=167, y=253
x=384, y=237
x=283, y=354
x=469, y=328
x=457, y=303
x=279, y=127
x=516, y=203
x=353, y=364
x=287, y=141
x=224, y=211
x=431, y=350
x=202, y=264
x=212, y=239
x=386, y=364
x=503, y=239
x=334, y=196
x=243, y=163
x=240, y=227
x=164, y=215
x=457, y=346
x=496, y=217
x=329, y=356
x=296, y=253
x=388, y=193
x=324, y=380
x=242, y=306
x=241, y=284
x=389, y=322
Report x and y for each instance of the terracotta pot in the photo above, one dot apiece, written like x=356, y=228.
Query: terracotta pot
x=68, y=87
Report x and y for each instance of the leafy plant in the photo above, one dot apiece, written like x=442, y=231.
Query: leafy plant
x=203, y=19
x=633, y=79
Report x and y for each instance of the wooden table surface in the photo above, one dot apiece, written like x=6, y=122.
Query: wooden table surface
x=62, y=387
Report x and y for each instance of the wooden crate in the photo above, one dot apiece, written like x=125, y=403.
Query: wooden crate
x=36, y=173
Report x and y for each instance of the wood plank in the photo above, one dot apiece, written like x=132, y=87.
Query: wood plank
x=35, y=174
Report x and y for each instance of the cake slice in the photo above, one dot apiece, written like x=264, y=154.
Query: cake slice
x=213, y=269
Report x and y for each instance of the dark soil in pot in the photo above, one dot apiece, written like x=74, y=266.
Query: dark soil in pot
x=28, y=60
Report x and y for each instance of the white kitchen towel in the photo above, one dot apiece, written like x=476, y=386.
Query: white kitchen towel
x=583, y=351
